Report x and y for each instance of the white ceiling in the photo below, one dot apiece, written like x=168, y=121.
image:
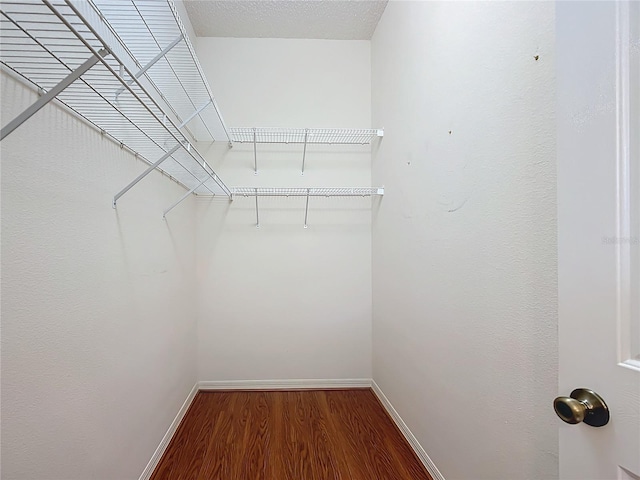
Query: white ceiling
x=328, y=19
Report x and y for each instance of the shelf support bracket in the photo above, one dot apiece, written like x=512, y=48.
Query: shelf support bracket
x=257, y=216
x=145, y=173
x=179, y=201
x=306, y=209
x=51, y=94
x=304, y=153
x=194, y=114
x=255, y=154
x=151, y=63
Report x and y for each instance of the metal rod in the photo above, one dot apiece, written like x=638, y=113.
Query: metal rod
x=194, y=114
x=145, y=173
x=255, y=154
x=257, y=216
x=306, y=210
x=304, y=154
x=151, y=63
x=164, y=214
x=51, y=94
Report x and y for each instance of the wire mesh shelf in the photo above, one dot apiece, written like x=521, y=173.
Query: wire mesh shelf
x=155, y=36
x=67, y=48
x=304, y=192
x=303, y=136
x=326, y=136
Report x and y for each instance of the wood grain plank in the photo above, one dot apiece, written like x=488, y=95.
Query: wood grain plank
x=288, y=435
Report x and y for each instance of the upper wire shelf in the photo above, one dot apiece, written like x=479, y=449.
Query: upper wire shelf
x=156, y=38
x=307, y=192
x=303, y=136
x=68, y=50
x=327, y=136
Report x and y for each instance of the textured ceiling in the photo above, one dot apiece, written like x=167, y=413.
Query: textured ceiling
x=329, y=19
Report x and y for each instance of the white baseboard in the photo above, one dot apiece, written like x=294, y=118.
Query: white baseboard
x=315, y=384
x=413, y=441
x=157, y=455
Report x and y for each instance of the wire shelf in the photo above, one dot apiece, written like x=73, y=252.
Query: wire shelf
x=303, y=136
x=257, y=192
x=326, y=136
x=307, y=192
x=46, y=41
x=148, y=28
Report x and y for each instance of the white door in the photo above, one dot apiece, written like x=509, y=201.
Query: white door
x=598, y=91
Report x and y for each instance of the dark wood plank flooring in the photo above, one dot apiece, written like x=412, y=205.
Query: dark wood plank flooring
x=297, y=435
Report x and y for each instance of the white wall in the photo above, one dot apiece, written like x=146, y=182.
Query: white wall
x=281, y=301
x=98, y=323
x=464, y=243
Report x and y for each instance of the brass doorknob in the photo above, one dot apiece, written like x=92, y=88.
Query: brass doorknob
x=583, y=405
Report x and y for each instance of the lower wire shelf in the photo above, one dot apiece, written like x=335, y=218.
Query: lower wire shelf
x=307, y=192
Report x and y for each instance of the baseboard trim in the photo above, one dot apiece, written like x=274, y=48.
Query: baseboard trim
x=157, y=455
x=413, y=441
x=314, y=384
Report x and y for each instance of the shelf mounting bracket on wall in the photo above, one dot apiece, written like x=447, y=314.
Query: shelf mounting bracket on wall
x=304, y=155
x=145, y=173
x=306, y=210
x=53, y=93
x=255, y=154
x=257, y=216
x=179, y=201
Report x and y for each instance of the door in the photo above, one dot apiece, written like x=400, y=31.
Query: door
x=598, y=92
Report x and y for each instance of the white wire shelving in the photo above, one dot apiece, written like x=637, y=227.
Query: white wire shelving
x=303, y=136
x=304, y=192
x=153, y=33
x=114, y=66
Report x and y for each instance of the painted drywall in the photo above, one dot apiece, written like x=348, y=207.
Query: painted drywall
x=464, y=243
x=98, y=324
x=282, y=301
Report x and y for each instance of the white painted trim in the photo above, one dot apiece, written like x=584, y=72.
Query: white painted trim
x=413, y=441
x=315, y=384
x=157, y=455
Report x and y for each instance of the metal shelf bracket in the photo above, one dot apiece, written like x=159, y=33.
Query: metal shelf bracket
x=306, y=210
x=53, y=93
x=145, y=173
x=304, y=151
x=151, y=63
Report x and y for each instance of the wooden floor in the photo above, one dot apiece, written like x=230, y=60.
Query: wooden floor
x=304, y=435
